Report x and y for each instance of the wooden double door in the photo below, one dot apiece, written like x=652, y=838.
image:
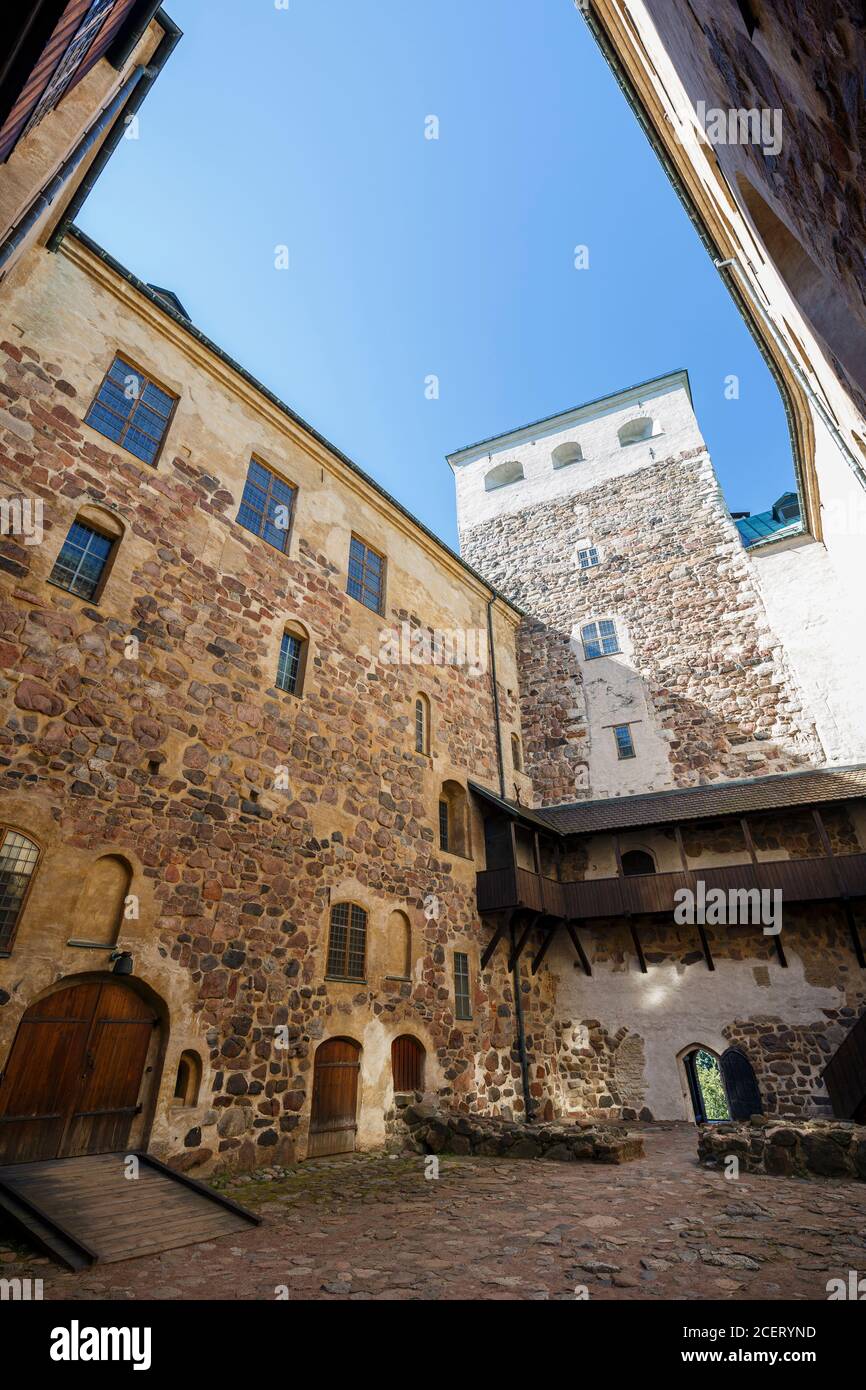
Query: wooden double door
x=334, y=1115
x=72, y=1082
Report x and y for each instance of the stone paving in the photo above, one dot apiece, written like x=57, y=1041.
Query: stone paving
x=373, y=1227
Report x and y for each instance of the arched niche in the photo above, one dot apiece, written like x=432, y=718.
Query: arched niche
x=99, y=910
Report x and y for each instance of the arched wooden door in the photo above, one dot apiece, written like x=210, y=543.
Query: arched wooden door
x=71, y=1083
x=407, y=1064
x=334, y=1118
x=744, y=1098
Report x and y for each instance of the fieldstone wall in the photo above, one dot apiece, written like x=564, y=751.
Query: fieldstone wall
x=147, y=725
x=719, y=695
x=433, y=1130
x=788, y=1147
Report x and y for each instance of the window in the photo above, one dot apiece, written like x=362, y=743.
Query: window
x=132, y=410
x=599, y=639
x=565, y=454
x=347, y=943
x=366, y=575
x=637, y=861
x=422, y=724
x=267, y=505
x=634, y=431
x=81, y=565
x=588, y=557
x=516, y=759
x=290, y=666
x=502, y=475
x=624, y=741
x=462, y=997
x=188, y=1081
x=18, y=857
x=444, y=826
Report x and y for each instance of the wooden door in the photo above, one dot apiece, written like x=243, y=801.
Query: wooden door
x=72, y=1080
x=333, y=1122
x=744, y=1098
x=407, y=1064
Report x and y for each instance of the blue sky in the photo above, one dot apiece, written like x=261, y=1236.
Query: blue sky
x=410, y=257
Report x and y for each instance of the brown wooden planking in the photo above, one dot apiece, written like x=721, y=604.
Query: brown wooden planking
x=117, y=1218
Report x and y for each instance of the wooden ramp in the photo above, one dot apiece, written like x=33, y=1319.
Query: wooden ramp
x=85, y=1210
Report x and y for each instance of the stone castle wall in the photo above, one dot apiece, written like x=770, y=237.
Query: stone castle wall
x=700, y=675
x=147, y=726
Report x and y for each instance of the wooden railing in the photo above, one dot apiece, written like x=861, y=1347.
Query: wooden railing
x=799, y=880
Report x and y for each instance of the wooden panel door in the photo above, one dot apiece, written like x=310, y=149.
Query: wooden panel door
x=72, y=1079
x=744, y=1098
x=407, y=1064
x=333, y=1122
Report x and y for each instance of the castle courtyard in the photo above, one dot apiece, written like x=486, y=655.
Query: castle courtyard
x=371, y=1226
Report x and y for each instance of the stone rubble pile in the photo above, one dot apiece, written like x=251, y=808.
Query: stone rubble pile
x=787, y=1147
x=431, y=1129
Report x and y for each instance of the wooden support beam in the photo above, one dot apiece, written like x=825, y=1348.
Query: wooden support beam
x=495, y=940
x=518, y=945
x=705, y=941
x=853, y=931
x=637, y=945
x=571, y=928
x=543, y=949
x=753, y=855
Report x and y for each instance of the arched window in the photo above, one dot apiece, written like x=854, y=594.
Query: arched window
x=634, y=431
x=86, y=556
x=565, y=454
x=188, y=1080
x=407, y=1064
x=454, y=819
x=292, y=660
x=503, y=474
x=637, y=861
x=399, y=946
x=18, y=857
x=422, y=724
x=101, y=902
x=516, y=758
x=347, y=942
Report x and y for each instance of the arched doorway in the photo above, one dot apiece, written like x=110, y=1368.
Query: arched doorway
x=706, y=1086
x=334, y=1116
x=407, y=1064
x=73, y=1079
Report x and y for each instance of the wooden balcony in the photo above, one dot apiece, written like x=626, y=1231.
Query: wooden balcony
x=799, y=880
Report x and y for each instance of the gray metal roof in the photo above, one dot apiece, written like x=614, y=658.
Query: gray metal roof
x=775, y=792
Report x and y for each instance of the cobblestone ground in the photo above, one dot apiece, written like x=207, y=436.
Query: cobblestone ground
x=372, y=1227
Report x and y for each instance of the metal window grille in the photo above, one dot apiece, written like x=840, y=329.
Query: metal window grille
x=347, y=943
x=18, y=857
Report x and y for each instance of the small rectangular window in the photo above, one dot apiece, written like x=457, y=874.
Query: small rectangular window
x=462, y=996
x=599, y=639
x=366, y=575
x=81, y=563
x=443, y=825
x=624, y=741
x=347, y=942
x=132, y=411
x=289, y=664
x=18, y=857
x=587, y=558
x=266, y=506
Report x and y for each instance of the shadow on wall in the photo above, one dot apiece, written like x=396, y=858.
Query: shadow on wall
x=557, y=719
